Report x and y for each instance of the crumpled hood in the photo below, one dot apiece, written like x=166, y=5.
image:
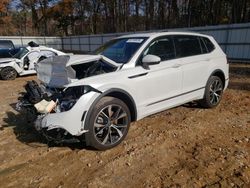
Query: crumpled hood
x=57, y=71
x=80, y=59
x=53, y=71
x=4, y=60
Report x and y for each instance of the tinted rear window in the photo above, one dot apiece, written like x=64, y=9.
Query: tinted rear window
x=187, y=46
x=6, y=44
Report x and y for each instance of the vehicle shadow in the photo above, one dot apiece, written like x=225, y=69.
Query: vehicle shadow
x=26, y=133
x=23, y=130
x=193, y=104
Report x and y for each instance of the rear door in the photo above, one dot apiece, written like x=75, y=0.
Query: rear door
x=194, y=62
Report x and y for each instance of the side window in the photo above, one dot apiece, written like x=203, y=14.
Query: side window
x=187, y=45
x=47, y=53
x=210, y=46
x=4, y=44
x=33, y=56
x=203, y=46
x=163, y=48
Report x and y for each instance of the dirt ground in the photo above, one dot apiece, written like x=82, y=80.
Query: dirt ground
x=183, y=147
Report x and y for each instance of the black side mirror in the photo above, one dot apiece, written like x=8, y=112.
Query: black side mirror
x=150, y=60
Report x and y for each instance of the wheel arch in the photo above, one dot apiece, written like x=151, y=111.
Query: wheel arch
x=220, y=74
x=117, y=93
x=126, y=98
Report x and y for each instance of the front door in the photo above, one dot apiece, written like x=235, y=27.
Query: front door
x=159, y=87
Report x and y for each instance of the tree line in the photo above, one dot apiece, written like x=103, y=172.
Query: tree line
x=78, y=17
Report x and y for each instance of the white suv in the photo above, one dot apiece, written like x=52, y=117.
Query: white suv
x=95, y=97
x=24, y=61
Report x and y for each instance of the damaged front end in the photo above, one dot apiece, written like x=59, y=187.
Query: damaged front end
x=56, y=105
x=40, y=103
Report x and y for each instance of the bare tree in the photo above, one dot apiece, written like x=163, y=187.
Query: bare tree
x=70, y=17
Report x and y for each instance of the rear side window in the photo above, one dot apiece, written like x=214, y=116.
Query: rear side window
x=210, y=46
x=6, y=44
x=187, y=46
x=203, y=46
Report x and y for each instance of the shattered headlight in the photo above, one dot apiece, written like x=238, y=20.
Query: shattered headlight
x=61, y=100
x=71, y=96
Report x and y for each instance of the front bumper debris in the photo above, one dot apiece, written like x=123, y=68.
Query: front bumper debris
x=35, y=105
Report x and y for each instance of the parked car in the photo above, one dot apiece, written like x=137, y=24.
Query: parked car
x=7, y=48
x=23, y=62
x=96, y=97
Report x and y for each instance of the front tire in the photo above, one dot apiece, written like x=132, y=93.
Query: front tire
x=108, y=124
x=213, y=92
x=8, y=73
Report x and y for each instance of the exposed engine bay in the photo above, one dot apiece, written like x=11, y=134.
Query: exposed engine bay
x=91, y=69
x=64, y=98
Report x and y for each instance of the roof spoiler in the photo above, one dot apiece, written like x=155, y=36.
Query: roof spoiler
x=33, y=44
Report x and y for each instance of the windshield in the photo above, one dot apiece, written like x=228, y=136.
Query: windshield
x=22, y=52
x=121, y=50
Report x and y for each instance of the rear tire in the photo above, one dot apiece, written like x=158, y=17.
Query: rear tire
x=108, y=123
x=213, y=92
x=8, y=73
